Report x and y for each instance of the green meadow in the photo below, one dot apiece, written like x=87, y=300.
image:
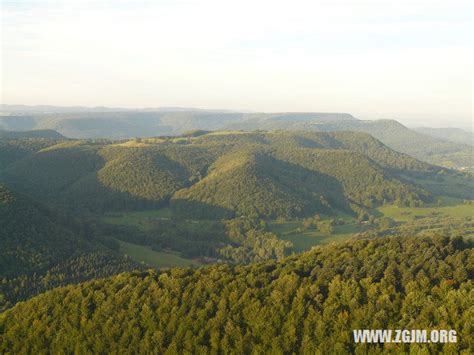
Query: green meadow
x=146, y=220
x=302, y=239
x=305, y=239
x=449, y=207
x=156, y=259
x=139, y=219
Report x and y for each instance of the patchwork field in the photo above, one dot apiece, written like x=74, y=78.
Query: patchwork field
x=305, y=239
x=146, y=220
x=140, y=219
x=147, y=256
x=450, y=207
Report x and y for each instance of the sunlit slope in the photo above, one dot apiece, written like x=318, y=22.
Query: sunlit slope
x=254, y=183
x=259, y=182
x=228, y=173
x=302, y=304
x=442, y=148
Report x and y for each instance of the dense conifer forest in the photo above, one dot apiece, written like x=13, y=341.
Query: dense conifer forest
x=302, y=304
x=40, y=250
x=81, y=220
x=245, y=222
x=280, y=174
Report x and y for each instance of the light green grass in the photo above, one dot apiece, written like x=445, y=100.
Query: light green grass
x=225, y=133
x=63, y=145
x=448, y=209
x=140, y=219
x=305, y=240
x=156, y=259
x=144, y=220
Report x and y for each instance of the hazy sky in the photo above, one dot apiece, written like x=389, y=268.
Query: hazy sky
x=406, y=59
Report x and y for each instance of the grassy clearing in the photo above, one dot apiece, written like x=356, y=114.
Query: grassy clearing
x=286, y=230
x=145, y=220
x=145, y=255
x=225, y=133
x=450, y=208
x=142, y=142
x=132, y=144
x=304, y=240
x=63, y=145
x=139, y=219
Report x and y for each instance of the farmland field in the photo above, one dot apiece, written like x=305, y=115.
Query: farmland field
x=450, y=207
x=139, y=219
x=156, y=259
x=146, y=220
x=305, y=239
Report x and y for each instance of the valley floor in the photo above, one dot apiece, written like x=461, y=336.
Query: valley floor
x=447, y=212
x=156, y=259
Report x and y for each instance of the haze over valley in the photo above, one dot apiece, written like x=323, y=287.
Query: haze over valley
x=446, y=147
x=208, y=177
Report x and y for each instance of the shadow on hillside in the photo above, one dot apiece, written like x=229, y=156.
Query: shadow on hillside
x=319, y=192
x=198, y=210
x=68, y=179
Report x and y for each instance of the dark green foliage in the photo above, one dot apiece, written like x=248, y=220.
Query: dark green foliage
x=400, y=138
x=325, y=227
x=222, y=174
x=6, y=197
x=295, y=174
x=142, y=172
x=172, y=235
x=49, y=172
x=12, y=150
x=40, y=250
x=253, y=183
x=364, y=183
x=303, y=304
x=195, y=133
x=355, y=142
x=250, y=242
x=443, y=182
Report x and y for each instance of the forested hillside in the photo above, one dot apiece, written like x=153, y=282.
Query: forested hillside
x=421, y=146
x=303, y=304
x=40, y=250
x=451, y=149
x=451, y=134
x=90, y=209
x=231, y=174
x=434, y=150
x=204, y=197
x=12, y=150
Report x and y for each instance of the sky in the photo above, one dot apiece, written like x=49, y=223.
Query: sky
x=409, y=60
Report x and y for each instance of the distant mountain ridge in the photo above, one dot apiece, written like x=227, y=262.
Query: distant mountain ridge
x=452, y=134
x=128, y=124
x=39, y=133
x=22, y=109
x=427, y=145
